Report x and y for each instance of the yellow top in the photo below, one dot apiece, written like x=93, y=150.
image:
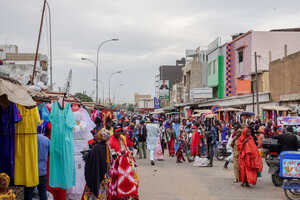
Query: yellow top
x=8, y=196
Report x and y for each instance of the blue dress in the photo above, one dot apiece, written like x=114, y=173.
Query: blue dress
x=8, y=117
x=62, y=164
x=177, y=131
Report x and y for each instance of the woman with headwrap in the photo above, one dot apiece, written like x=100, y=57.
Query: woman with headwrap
x=124, y=182
x=96, y=167
x=250, y=163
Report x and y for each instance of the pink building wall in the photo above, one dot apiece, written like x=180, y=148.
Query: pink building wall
x=265, y=41
x=261, y=42
x=245, y=44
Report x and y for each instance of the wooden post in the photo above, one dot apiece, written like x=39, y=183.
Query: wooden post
x=38, y=44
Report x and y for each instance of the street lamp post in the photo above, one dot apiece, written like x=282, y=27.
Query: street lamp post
x=97, y=63
x=117, y=72
x=97, y=66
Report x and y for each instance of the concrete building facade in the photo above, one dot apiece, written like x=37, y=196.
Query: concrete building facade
x=20, y=65
x=215, y=74
x=285, y=79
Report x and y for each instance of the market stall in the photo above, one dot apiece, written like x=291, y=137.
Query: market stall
x=228, y=114
x=273, y=112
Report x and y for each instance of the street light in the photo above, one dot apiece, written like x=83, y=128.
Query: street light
x=97, y=68
x=97, y=63
x=117, y=72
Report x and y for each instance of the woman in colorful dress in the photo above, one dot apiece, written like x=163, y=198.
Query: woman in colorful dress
x=250, y=163
x=123, y=169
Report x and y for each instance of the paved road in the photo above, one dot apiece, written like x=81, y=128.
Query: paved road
x=170, y=181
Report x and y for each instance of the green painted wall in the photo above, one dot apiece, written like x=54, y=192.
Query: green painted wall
x=221, y=77
x=212, y=73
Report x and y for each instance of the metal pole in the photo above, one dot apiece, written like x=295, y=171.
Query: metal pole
x=256, y=77
x=253, y=99
x=50, y=29
x=97, y=69
x=38, y=44
x=109, y=87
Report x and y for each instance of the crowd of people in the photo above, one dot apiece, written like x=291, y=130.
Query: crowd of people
x=105, y=148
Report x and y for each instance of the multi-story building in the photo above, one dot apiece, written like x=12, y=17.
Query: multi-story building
x=194, y=73
x=215, y=74
x=285, y=80
x=268, y=45
x=138, y=97
x=20, y=65
x=171, y=73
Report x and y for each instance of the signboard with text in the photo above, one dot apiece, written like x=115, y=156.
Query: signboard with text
x=201, y=93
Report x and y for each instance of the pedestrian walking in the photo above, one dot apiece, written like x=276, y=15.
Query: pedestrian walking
x=171, y=135
x=152, y=135
x=142, y=138
x=250, y=163
x=211, y=140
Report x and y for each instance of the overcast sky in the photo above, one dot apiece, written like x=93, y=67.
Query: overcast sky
x=151, y=33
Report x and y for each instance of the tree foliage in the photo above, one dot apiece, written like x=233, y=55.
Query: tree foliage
x=83, y=97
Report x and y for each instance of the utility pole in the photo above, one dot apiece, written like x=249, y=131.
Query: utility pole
x=256, y=77
x=38, y=44
x=253, y=99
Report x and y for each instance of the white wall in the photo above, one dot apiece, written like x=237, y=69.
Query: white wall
x=264, y=41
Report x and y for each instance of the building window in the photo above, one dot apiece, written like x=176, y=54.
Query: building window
x=209, y=68
x=241, y=60
x=215, y=92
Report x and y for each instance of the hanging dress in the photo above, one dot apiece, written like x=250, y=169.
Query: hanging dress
x=8, y=117
x=26, y=148
x=62, y=164
x=82, y=134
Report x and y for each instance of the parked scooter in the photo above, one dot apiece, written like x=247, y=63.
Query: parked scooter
x=272, y=151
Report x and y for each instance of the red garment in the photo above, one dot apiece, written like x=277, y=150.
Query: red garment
x=171, y=144
x=123, y=183
x=179, y=153
x=130, y=143
x=250, y=162
x=114, y=144
x=195, y=145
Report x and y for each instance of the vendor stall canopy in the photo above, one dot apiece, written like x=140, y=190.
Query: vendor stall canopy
x=230, y=110
x=15, y=92
x=276, y=108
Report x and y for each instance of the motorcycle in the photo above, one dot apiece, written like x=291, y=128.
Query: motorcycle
x=221, y=151
x=272, y=151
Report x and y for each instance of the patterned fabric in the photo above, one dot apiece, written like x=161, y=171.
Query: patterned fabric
x=8, y=196
x=124, y=184
x=228, y=88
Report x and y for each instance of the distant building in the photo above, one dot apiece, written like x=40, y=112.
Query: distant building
x=20, y=65
x=145, y=105
x=138, y=97
x=194, y=73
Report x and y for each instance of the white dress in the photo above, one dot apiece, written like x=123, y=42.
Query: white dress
x=82, y=135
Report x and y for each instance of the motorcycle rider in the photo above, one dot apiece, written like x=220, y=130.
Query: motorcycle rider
x=288, y=141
